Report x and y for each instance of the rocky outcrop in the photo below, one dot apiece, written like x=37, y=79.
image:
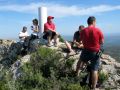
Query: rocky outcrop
x=10, y=49
x=9, y=52
x=16, y=67
x=111, y=67
x=4, y=47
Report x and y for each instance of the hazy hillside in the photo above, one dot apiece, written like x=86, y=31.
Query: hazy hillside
x=114, y=51
x=112, y=46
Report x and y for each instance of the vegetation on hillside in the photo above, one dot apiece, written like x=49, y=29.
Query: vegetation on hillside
x=45, y=71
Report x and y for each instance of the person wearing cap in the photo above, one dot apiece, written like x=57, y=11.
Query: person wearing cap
x=50, y=31
x=35, y=29
x=23, y=34
x=92, y=38
x=76, y=44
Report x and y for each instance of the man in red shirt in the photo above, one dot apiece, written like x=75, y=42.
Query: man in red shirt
x=91, y=38
x=50, y=31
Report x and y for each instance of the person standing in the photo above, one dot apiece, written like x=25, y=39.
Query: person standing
x=91, y=38
x=50, y=31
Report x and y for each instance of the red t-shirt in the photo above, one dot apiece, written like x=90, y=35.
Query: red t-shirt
x=91, y=38
x=49, y=26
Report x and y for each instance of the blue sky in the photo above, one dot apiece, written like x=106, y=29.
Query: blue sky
x=69, y=14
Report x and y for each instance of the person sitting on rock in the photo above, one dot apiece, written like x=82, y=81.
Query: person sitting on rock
x=50, y=31
x=34, y=35
x=35, y=29
x=23, y=34
x=76, y=44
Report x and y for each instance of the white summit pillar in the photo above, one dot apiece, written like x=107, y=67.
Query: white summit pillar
x=42, y=14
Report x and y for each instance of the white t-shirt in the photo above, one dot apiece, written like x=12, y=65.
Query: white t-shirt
x=35, y=28
x=22, y=36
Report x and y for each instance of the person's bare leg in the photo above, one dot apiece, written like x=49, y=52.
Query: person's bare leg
x=79, y=67
x=68, y=46
x=49, y=40
x=55, y=39
x=94, y=79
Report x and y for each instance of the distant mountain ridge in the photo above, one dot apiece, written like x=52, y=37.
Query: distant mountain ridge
x=109, y=39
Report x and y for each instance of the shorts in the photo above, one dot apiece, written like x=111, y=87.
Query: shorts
x=49, y=34
x=92, y=57
x=34, y=37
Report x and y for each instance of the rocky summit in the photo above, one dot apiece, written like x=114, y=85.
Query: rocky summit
x=11, y=60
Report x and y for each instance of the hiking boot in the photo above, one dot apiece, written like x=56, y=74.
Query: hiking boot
x=71, y=53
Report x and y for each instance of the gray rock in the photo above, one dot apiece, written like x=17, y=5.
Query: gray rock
x=117, y=65
x=25, y=59
x=34, y=45
x=16, y=69
x=6, y=42
x=109, y=68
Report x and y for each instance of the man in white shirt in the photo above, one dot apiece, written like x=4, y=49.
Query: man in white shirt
x=24, y=40
x=23, y=34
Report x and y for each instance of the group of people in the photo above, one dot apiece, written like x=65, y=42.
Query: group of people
x=49, y=33
x=88, y=39
x=24, y=34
